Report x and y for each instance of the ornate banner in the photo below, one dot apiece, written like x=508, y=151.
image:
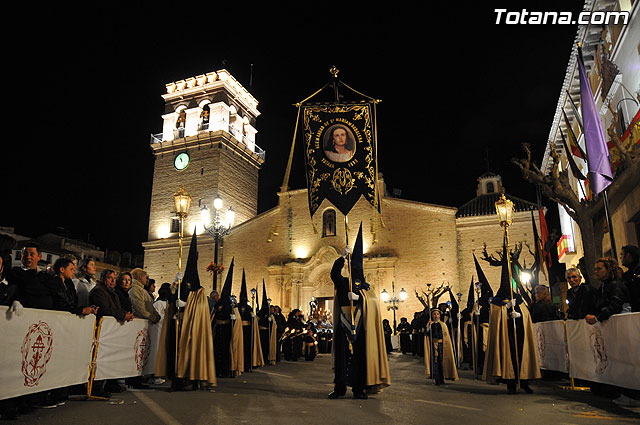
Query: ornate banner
x=340, y=154
x=42, y=350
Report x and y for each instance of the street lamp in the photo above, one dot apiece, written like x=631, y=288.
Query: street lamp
x=393, y=301
x=505, y=210
x=217, y=228
x=182, y=201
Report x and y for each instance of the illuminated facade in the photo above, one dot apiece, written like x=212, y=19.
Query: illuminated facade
x=292, y=252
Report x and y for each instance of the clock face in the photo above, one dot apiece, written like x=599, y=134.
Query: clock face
x=181, y=161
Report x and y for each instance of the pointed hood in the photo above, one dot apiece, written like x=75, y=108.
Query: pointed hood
x=244, y=299
x=357, y=260
x=482, y=278
x=191, y=280
x=504, y=293
x=228, y=282
x=264, y=307
x=470, y=298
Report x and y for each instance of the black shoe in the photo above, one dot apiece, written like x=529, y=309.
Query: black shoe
x=360, y=395
x=526, y=388
x=338, y=391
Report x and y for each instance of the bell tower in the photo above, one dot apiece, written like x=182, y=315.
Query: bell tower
x=208, y=145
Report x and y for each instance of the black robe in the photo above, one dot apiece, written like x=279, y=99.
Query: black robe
x=247, y=327
x=349, y=359
x=222, y=337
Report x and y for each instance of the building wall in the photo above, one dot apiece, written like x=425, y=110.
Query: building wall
x=212, y=171
x=417, y=245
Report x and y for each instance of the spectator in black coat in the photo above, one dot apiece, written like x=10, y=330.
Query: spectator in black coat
x=8, y=292
x=543, y=309
x=581, y=296
x=630, y=257
x=612, y=295
x=123, y=284
x=64, y=295
x=30, y=284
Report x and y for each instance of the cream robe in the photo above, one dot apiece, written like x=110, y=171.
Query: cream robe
x=448, y=359
x=195, y=354
x=497, y=360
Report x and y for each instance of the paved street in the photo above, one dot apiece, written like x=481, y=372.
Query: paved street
x=296, y=393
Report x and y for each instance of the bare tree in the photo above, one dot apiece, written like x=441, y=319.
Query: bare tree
x=588, y=214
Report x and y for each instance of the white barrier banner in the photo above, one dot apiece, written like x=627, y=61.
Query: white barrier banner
x=43, y=349
x=606, y=352
x=125, y=349
x=550, y=344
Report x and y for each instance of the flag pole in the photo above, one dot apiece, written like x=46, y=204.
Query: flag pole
x=614, y=251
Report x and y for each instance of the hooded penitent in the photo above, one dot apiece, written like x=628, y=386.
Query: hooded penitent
x=368, y=344
x=191, y=280
x=195, y=354
x=503, y=356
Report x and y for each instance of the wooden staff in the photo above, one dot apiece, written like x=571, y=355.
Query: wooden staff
x=351, y=307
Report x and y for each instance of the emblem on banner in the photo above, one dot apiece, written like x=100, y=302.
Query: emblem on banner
x=540, y=343
x=36, y=352
x=598, y=349
x=143, y=343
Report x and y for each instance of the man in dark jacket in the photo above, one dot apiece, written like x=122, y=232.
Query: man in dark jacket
x=31, y=289
x=631, y=260
x=581, y=297
x=104, y=297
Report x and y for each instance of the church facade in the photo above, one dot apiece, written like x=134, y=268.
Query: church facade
x=409, y=245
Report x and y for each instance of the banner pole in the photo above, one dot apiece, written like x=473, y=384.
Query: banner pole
x=94, y=355
x=513, y=307
x=353, y=328
x=571, y=380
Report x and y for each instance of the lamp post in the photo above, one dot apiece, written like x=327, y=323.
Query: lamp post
x=182, y=201
x=459, y=338
x=393, y=301
x=253, y=291
x=505, y=210
x=217, y=228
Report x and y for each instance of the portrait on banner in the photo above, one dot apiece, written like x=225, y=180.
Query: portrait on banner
x=339, y=143
x=340, y=154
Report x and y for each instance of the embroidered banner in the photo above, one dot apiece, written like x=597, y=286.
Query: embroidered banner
x=340, y=156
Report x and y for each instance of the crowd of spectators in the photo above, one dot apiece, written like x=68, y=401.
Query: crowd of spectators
x=70, y=285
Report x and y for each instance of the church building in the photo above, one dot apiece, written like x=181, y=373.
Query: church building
x=208, y=146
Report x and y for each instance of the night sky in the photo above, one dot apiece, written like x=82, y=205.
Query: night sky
x=83, y=93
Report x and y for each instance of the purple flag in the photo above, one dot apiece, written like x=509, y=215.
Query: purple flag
x=597, y=151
